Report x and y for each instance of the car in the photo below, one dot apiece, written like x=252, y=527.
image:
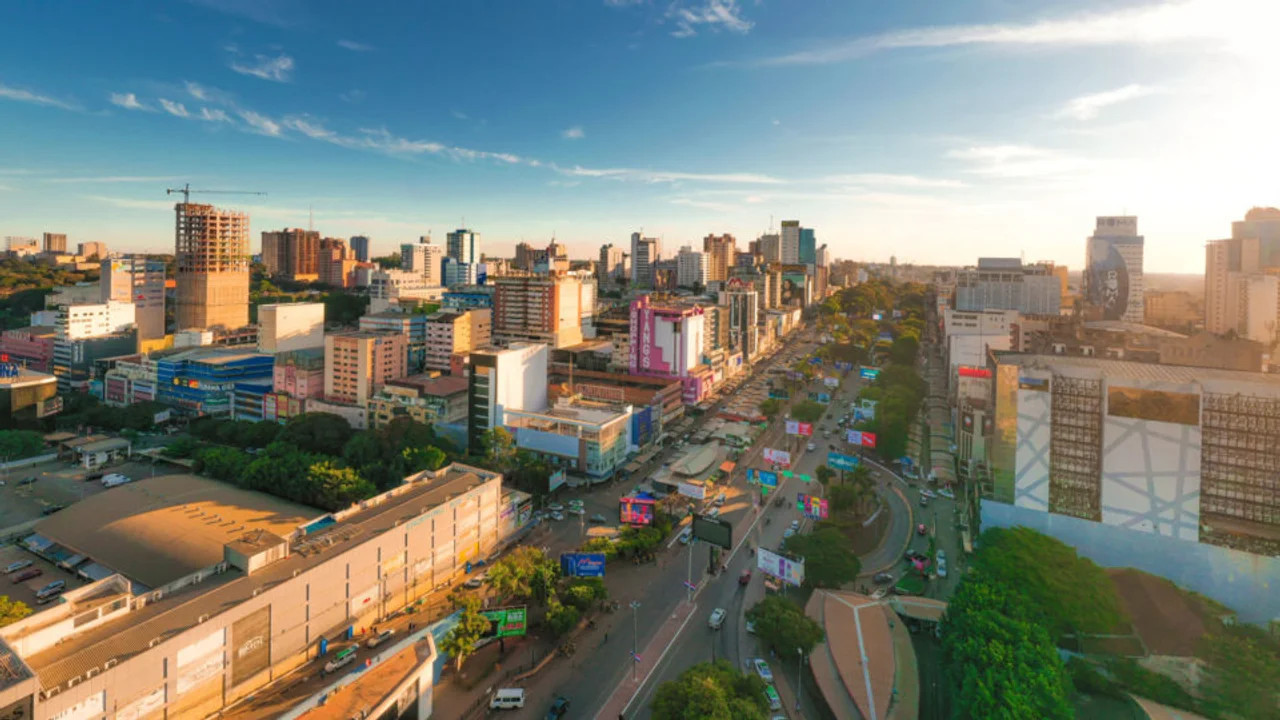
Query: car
x=942, y=556
x=795, y=525
x=94, y=475
x=114, y=479
x=557, y=516
x=52, y=509
x=924, y=501
x=927, y=493
x=882, y=578
x=751, y=627
x=599, y=519
x=29, y=480
x=770, y=694
x=745, y=577
x=720, y=499
x=24, y=575
x=577, y=511
x=832, y=446
x=17, y=565
x=946, y=493
x=914, y=555
x=788, y=533
x=921, y=529
x=717, y=618
x=474, y=583
x=813, y=446
x=686, y=535
x=713, y=512
x=558, y=708
x=575, y=501
x=380, y=638
x=555, y=507
x=762, y=669
x=344, y=657
x=942, y=567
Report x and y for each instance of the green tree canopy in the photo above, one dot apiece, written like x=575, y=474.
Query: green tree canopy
x=12, y=611
x=526, y=573
x=317, y=432
x=711, y=691
x=15, y=444
x=828, y=560
x=770, y=407
x=461, y=639
x=808, y=411
x=783, y=625
x=1243, y=675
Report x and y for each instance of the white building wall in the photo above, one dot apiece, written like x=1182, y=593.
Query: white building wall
x=1151, y=477
x=283, y=327
x=521, y=379
x=1031, y=476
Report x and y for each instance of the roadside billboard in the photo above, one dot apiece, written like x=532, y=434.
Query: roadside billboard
x=556, y=480
x=824, y=398
x=795, y=427
x=589, y=565
x=506, y=622
x=813, y=507
x=782, y=457
x=861, y=437
x=693, y=490
x=868, y=373
x=636, y=510
x=831, y=382
x=840, y=461
x=713, y=530
x=784, y=568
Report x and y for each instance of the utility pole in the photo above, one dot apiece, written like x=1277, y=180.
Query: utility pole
x=799, y=663
x=635, y=635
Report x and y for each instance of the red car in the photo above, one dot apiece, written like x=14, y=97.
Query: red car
x=745, y=577
x=26, y=575
x=922, y=530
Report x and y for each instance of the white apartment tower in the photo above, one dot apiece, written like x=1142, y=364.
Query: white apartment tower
x=645, y=253
x=1113, y=281
x=691, y=268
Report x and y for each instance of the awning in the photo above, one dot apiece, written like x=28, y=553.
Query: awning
x=727, y=466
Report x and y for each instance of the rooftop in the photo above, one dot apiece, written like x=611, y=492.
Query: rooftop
x=1135, y=370
x=213, y=355
x=1121, y=326
x=856, y=665
x=441, y=386
x=157, y=530
x=180, y=610
x=27, y=377
x=373, y=685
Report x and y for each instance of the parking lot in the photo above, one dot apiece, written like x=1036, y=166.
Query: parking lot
x=25, y=590
x=58, y=483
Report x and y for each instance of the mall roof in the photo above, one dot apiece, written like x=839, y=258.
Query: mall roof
x=1128, y=369
x=157, y=530
x=856, y=665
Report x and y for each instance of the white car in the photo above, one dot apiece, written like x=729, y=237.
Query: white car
x=717, y=619
x=813, y=446
x=795, y=525
x=762, y=669
x=942, y=567
x=942, y=556
x=788, y=533
x=555, y=507
x=751, y=627
x=115, y=479
x=946, y=493
x=557, y=516
x=577, y=511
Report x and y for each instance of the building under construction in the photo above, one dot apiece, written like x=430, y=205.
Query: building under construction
x=212, y=254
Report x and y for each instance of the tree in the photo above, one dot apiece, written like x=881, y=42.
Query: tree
x=1243, y=675
x=526, y=573
x=334, y=487
x=316, y=432
x=999, y=658
x=561, y=618
x=344, y=308
x=784, y=626
x=711, y=691
x=388, y=262
x=15, y=444
x=461, y=639
x=424, y=458
x=770, y=407
x=824, y=474
x=828, y=561
x=808, y=411
x=11, y=611
x=499, y=448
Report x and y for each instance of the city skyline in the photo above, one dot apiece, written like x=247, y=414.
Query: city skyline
x=935, y=130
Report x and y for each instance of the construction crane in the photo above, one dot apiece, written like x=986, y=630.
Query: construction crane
x=186, y=192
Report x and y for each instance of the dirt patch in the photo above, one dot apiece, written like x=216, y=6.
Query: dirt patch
x=864, y=539
x=1168, y=620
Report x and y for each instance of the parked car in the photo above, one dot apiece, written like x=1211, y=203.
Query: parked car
x=921, y=529
x=558, y=708
x=924, y=501
x=25, y=575
x=557, y=516
x=686, y=535
x=29, y=480
x=762, y=669
x=717, y=619
x=946, y=493
x=577, y=511
x=52, y=509
x=942, y=567
x=745, y=577
x=913, y=555
x=380, y=638
x=751, y=627
x=50, y=592
x=96, y=475
x=770, y=694
x=812, y=446
x=343, y=658
x=474, y=583
x=17, y=565
x=788, y=533
x=599, y=519
x=795, y=525
x=555, y=507
x=115, y=479
x=882, y=578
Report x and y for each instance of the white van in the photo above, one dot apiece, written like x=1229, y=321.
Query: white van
x=507, y=699
x=342, y=659
x=115, y=479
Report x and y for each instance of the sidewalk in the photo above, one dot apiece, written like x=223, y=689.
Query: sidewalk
x=650, y=655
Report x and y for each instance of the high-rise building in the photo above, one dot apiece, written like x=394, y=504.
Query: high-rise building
x=292, y=253
x=769, y=248
x=92, y=250
x=538, y=308
x=822, y=256
x=358, y=362
x=526, y=257
x=1007, y=284
x=514, y=378
x=691, y=268
x=720, y=252
x=1113, y=269
x=454, y=273
x=411, y=325
x=87, y=332
x=290, y=326
x=612, y=266
x=424, y=259
x=1251, y=303
x=336, y=265
x=21, y=246
x=808, y=251
x=55, y=242
x=212, y=276
x=360, y=248
x=135, y=279
x=464, y=246
x=744, y=317
x=789, y=244
x=557, y=257
x=668, y=341
x=452, y=332
x=645, y=253
x=1253, y=248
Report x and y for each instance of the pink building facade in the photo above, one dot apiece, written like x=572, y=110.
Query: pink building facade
x=667, y=342
x=28, y=346
x=299, y=374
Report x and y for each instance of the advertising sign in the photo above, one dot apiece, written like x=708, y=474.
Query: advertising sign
x=506, y=622
x=779, y=393
x=782, y=457
x=795, y=427
x=1106, y=279
x=784, y=568
x=861, y=437
x=841, y=461
x=713, y=530
x=162, y=416
x=250, y=645
x=556, y=480
x=831, y=382
x=815, y=361
x=973, y=372
x=843, y=365
x=824, y=398
x=636, y=510
x=695, y=491
x=813, y=507
x=582, y=564
x=868, y=373
x=767, y=478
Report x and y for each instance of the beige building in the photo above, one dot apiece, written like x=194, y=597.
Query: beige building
x=292, y=253
x=201, y=594
x=539, y=308
x=358, y=362
x=55, y=242
x=720, y=256
x=212, y=277
x=422, y=398
x=455, y=331
x=1171, y=308
x=91, y=250
x=290, y=326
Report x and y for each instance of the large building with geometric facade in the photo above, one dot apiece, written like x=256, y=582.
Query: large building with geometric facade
x=1175, y=470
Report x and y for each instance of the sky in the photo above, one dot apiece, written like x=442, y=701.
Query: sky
x=936, y=132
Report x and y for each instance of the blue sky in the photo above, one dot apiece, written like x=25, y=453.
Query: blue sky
x=933, y=131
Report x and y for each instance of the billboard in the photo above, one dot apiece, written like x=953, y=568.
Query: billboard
x=1106, y=279
x=868, y=373
x=795, y=427
x=824, y=398
x=779, y=394
x=861, y=437
x=250, y=645
x=162, y=416
x=831, y=382
x=841, y=461
x=693, y=490
x=636, y=510
x=784, y=568
x=782, y=457
x=713, y=530
x=506, y=622
x=813, y=507
x=973, y=372
x=582, y=564
x=556, y=480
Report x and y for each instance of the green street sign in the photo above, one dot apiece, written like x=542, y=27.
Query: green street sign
x=787, y=474
x=805, y=478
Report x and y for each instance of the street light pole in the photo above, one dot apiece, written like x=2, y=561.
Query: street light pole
x=635, y=635
x=799, y=662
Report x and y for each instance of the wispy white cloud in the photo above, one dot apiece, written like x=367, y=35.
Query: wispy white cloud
x=128, y=101
x=712, y=15
x=354, y=46
x=351, y=96
x=176, y=109
x=891, y=180
x=8, y=92
x=704, y=204
x=1087, y=107
x=573, y=133
x=214, y=115
x=275, y=69
x=458, y=114
x=259, y=123
x=1217, y=21
x=663, y=176
x=112, y=179
x=131, y=203
x=622, y=3
x=383, y=141
x=1018, y=161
